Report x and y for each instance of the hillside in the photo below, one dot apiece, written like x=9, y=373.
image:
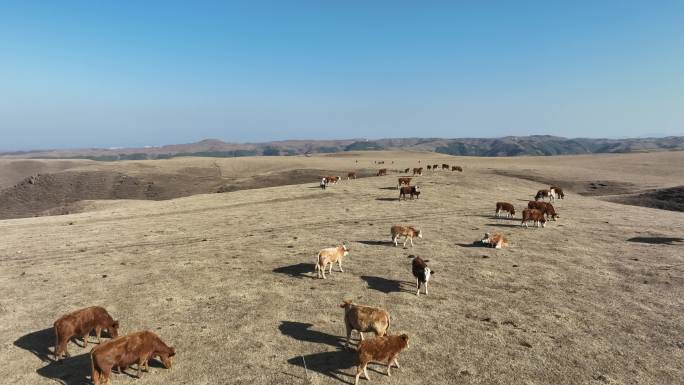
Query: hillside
x=505, y=146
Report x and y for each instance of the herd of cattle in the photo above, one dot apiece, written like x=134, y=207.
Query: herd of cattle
x=140, y=347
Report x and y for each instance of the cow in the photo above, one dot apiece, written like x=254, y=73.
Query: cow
x=429, y=167
x=557, y=192
x=403, y=180
x=351, y=175
x=406, y=170
x=505, y=207
x=495, y=240
x=456, y=168
x=533, y=215
x=408, y=232
x=382, y=171
x=409, y=190
x=545, y=207
x=324, y=183
x=329, y=256
x=445, y=166
x=379, y=349
x=364, y=319
x=542, y=194
x=421, y=272
x=79, y=324
x=435, y=167
x=133, y=348
x=332, y=179
x=417, y=171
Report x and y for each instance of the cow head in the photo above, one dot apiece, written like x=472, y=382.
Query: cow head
x=486, y=239
x=346, y=304
x=166, y=357
x=405, y=338
x=513, y=211
x=419, y=233
x=114, y=329
x=346, y=249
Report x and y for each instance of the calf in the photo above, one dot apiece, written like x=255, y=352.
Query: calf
x=79, y=324
x=429, y=167
x=328, y=257
x=533, y=215
x=507, y=207
x=409, y=190
x=421, y=271
x=364, y=319
x=406, y=170
x=545, y=207
x=445, y=166
x=417, y=171
x=408, y=232
x=379, y=349
x=351, y=175
x=382, y=171
x=456, y=168
x=496, y=240
x=541, y=194
x=137, y=348
x=404, y=180
x=557, y=192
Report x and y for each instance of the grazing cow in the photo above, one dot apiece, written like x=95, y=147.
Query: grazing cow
x=533, y=215
x=429, y=167
x=382, y=171
x=542, y=194
x=417, y=171
x=557, y=192
x=332, y=179
x=79, y=324
x=435, y=167
x=364, y=319
x=379, y=349
x=495, y=240
x=445, y=166
x=545, y=207
x=410, y=190
x=507, y=207
x=404, y=180
x=408, y=232
x=351, y=175
x=406, y=170
x=456, y=168
x=421, y=271
x=133, y=348
x=328, y=257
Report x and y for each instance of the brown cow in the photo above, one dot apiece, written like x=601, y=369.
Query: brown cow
x=364, y=319
x=379, y=349
x=505, y=206
x=533, y=215
x=545, y=207
x=557, y=192
x=351, y=175
x=418, y=171
x=456, y=168
x=79, y=324
x=495, y=240
x=429, y=167
x=408, y=232
x=137, y=348
x=406, y=170
x=382, y=171
x=410, y=190
x=435, y=167
x=404, y=180
x=445, y=166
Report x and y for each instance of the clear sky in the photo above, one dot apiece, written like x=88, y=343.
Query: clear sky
x=133, y=73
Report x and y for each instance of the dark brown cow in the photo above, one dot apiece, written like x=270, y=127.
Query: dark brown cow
x=533, y=215
x=445, y=166
x=351, y=175
x=137, y=348
x=407, y=170
x=456, y=168
x=417, y=171
x=404, y=180
x=382, y=171
x=421, y=272
x=557, y=192
x=379, y=349
x=79, y=324
x=542, y=194
x=429, y=167
x=545, y=207
x=505, y=206
x=435, y=166
x=409, y=190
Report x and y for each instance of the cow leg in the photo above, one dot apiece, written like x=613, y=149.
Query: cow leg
x=417, y=283
x=330, y=268
x=389, y=365
x=85, y=339
x=339, y=263
x=426, y=287
x=405, y=240
x=411, y=239
x=396, y=362
x=365, y=372
x=418, y=289
x=395, y=240
x=361, y=334
x=98, y=333
x=349, y=331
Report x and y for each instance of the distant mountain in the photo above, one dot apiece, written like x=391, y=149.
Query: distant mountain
x=505, y=146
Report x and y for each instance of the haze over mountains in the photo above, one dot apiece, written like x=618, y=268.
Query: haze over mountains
x=504, y=146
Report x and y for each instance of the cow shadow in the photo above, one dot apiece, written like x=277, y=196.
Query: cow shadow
x=657, y=240
x=474, y=244
x=75, y=370
x=387, y=199
x=302, y=331
x=377, y=243
x=503, y=224
x=338, y=364
x=389, y=188
x=298, y=270
x=384, y=285
x=38, y=343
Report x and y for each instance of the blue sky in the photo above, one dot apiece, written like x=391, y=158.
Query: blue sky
x=101, y=74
